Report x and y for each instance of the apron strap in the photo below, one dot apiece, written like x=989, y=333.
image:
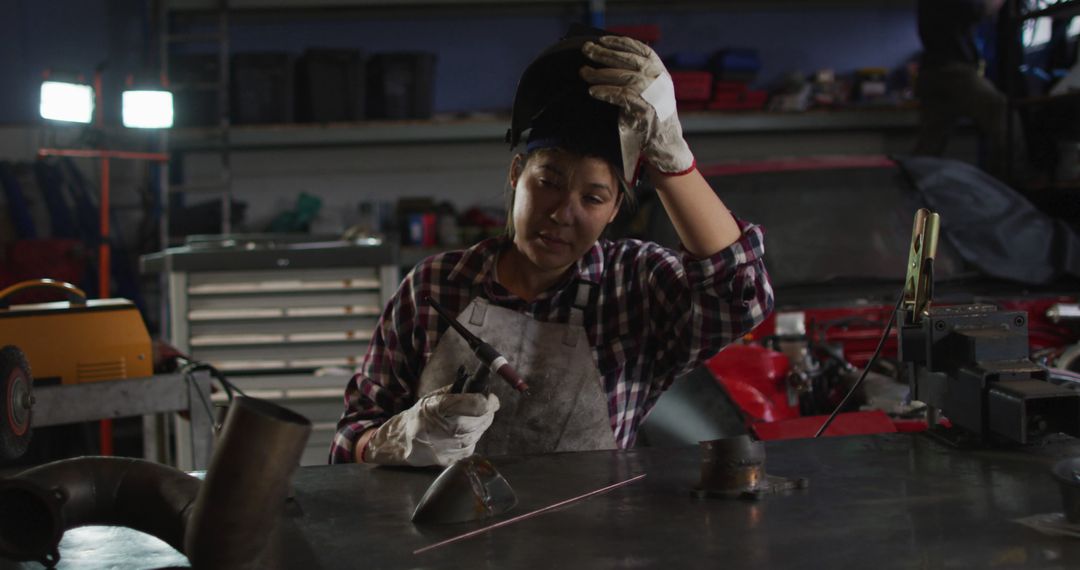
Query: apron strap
x=583, y=291
x=479, y=311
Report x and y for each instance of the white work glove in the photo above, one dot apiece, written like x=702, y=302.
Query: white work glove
x=438, y=429
x=634, y=80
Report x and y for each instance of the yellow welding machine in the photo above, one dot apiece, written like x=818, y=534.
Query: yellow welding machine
x=79, y=340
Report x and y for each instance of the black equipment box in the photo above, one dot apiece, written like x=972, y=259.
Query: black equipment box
x=401, y=85
x=330, y=86
x=194, y=82
x=262, y=88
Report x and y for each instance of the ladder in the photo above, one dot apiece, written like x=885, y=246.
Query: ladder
x=169, y=39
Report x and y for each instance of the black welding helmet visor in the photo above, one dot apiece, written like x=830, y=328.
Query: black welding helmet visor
x=553, y=108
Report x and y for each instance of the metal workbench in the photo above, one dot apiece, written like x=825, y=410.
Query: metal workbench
x=152, y=397
x=888, y=501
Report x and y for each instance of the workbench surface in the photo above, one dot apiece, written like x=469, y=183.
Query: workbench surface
x=886, y=501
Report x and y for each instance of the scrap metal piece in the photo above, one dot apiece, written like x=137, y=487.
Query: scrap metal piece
x=734, y=468
x=468, y=489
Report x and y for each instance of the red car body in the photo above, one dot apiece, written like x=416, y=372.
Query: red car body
x=756, y=377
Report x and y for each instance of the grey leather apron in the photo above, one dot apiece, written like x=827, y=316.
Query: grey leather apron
x=567, y=408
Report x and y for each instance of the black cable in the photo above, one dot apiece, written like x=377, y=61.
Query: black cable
x=189, y=370
x=866, y=369
x=228, y=386
x=190, y=377
x=225, y=383
x=215, y=374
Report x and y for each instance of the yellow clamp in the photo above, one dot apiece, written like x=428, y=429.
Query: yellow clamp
x=919, y=282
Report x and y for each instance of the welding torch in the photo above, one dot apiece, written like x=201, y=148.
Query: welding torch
x=484, y=351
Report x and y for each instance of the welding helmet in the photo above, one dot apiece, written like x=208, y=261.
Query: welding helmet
x=553, y=106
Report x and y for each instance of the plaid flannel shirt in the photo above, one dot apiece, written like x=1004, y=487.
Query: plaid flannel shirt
x=658, y=314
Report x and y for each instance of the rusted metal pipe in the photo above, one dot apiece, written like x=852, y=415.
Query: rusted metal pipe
x=246, y=485
x=732, y=465
x=222, y=522
x=734, y=468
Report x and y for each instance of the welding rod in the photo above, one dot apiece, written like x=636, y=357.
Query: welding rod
x=484, y=351
x=530, y=514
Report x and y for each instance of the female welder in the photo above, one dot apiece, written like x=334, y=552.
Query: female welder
x=598, y=328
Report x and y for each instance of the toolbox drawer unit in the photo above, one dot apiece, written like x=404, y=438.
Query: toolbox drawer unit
x=285, y=321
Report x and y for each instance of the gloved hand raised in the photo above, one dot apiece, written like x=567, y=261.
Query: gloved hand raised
x=438, y=429
x=634, y=79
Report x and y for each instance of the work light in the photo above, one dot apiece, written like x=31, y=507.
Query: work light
x=147, y=109
x=64, y=101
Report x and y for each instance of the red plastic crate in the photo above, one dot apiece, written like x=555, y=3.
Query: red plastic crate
x=730, y=87
x=647, y=33
x=692, y=85
x=749, y=100
x=692, y=105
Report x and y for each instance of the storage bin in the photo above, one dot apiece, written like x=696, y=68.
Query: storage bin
x=738, y=101
x=401, y=85
x=646, y=33
x=736, y=64
x=262, y=88
x=692, y=85
x=193, y=80
x=330, y=86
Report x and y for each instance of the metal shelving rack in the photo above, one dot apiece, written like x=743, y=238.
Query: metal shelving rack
x=219, y=136
x=270, y=137
x=473, y=130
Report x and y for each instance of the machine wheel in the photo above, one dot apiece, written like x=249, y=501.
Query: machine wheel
x=16, y=401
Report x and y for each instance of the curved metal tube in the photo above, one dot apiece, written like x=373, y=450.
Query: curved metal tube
x=222, y=522
x=39, y=504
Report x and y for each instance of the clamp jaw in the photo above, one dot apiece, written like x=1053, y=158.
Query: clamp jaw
x=919, y=282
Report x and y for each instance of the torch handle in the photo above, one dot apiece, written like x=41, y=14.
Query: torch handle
x=464, y=332
x=484, y=351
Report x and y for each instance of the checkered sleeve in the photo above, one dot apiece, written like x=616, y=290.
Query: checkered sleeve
x=698, y=306
x=386, y=382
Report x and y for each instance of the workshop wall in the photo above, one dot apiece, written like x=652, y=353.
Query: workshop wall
x=480, y=56
x=480, y=51
x=470, y=77
x=466, y=175
x=68, y=36
x=71, y=36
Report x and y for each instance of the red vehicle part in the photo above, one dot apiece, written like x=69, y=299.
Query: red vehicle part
x=754, y=377
x=856, y=329
x=852, y=423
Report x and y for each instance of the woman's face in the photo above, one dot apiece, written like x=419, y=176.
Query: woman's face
x=562, y=203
